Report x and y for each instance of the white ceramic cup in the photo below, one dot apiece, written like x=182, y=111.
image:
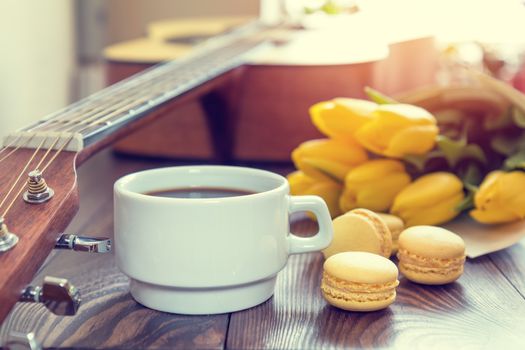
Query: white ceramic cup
x=215, y=255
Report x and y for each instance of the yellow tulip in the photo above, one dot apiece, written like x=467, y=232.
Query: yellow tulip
x=341, y=117
x=500, y=198
x=373, y=185
x=302, y=184
x=328, y=159
x=399, y=129
x=430, y=200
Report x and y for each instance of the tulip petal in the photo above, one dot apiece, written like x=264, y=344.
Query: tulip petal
x=347, y=200
x=339, y=150
x=488, y=189
x=374, y=169
x=412, y=140
x=324, y=169
x=299, y=182
x=341, y=117
x=493, y=216
x=430, y=188
x=330, y=193
x=378, y=196
x=439, y=213
x=406, y=114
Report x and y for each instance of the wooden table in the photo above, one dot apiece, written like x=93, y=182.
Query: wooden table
x=485, y=309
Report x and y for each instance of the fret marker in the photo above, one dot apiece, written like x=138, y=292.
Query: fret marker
x=7, y=239
x=37, y=189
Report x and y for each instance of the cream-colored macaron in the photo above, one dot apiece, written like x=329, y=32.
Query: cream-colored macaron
x=431, y=255
x=396, y=225
x=360, y=230
x=359, y=281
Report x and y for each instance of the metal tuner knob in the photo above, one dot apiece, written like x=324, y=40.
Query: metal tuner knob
x=84, y=244
x=21, y=341
x=57, y=294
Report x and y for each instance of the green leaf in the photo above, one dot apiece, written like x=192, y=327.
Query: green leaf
x=503, y=145
x=467, y=203
x=472, y=175
x=518, y=116
x=456, y=150
x=379, y=97
x=420, y=161
x=492, y=123
x=450, y=116
x=515, y=162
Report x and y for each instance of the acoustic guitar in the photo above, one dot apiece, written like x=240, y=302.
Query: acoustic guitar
x=38, y=189
x=262, y=114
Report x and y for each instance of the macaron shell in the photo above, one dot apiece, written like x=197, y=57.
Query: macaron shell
x=395, y=225
x=361, y=267
x=360, y=230
x=427, y=277
x=353, y=305
x=432, y=241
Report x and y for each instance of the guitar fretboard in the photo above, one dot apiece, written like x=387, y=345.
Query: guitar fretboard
x=108, y=110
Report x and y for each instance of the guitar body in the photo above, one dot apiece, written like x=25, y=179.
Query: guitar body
x=267, y=103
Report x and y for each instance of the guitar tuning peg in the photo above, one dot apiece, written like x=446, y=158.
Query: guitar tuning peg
x=37, y=189
x=57, y=295
x=84, y=244
x=7, y=239
x=21, y=341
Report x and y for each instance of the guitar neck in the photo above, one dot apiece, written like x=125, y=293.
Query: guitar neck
x=97, y=117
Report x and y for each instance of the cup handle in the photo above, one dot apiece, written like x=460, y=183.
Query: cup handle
x=323, y=238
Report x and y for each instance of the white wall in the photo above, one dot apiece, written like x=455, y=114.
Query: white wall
x=36, y=60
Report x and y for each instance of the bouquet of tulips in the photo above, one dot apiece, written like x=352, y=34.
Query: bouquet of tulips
x=426, y=156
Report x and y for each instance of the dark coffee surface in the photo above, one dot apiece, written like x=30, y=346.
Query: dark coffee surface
x=200, y=192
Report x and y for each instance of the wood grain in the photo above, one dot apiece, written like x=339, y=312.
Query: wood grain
x=483, y=310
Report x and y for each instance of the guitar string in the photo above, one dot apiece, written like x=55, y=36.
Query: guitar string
x=57, y=153
x=21, y=174
x=47, y=152
x=10, y=144
x=98, y=96
x=37, y=166
x=13, y=150
x=98, y=117
x=113, y=92
x=160, y=85
x=95, y=116
x=135, y=85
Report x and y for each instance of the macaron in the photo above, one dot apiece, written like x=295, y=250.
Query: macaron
x=430, y=255
x=395, y=225
x=359, y=281
x=360, y=230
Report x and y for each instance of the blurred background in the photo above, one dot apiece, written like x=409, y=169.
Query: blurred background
x=53, y=51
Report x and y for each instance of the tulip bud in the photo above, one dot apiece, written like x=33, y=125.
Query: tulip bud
x=430, y=200
x=341, y=117
x=397, y=130
x=373, y=185
x=329, y=191
x=500, y=198
x=328, y=159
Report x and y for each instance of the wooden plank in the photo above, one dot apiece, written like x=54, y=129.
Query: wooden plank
x=511, y=263
x=481, y=310
x=108, y=316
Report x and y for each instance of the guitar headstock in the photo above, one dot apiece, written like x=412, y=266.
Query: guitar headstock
x=37, y=225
